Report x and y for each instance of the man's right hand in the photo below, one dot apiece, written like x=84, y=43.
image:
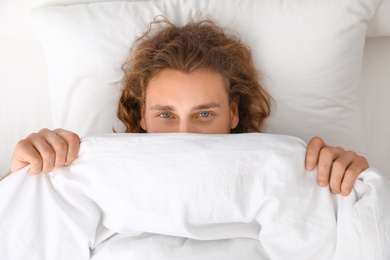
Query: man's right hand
x=46, y=150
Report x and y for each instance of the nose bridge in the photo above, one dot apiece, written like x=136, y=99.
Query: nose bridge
x=185, y=126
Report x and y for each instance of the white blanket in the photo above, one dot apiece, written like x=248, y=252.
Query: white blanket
x=190, y=196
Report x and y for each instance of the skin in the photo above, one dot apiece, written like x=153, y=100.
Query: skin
x=194, y=103
x=197, y=103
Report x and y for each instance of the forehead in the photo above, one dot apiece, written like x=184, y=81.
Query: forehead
x=198, y=86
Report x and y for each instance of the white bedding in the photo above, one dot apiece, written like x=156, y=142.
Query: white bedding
x=189, y=196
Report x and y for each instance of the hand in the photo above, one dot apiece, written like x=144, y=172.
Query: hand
x=336, y=167
x=45, y=150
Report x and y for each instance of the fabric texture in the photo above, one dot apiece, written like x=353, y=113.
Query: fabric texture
x=191, y=196
x=309, y=54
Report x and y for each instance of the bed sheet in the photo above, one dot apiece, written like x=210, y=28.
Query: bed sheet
x=191, y=196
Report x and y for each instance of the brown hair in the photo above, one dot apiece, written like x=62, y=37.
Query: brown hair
x=197, y=45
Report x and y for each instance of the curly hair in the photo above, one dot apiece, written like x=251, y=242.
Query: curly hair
x=195, y=46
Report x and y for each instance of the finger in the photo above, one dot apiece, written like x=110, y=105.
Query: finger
x=313, y=152
x=25, y=154
x=327, y=155
x=35, y=160
x=45, y=151
x=58, y=145
x=34, y=150
x=73, y=143
x=359, y=164
x=339, y=169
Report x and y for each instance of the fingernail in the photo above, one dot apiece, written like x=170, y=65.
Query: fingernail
x=322, y=184
x=335, y=191
x=344, y=193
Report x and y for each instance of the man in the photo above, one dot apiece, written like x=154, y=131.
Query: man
x=190, y=79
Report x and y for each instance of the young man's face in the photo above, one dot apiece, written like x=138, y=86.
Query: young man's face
x=195, y=103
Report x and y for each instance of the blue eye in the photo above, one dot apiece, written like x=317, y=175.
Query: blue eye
x=204, y=114
x=165, y=115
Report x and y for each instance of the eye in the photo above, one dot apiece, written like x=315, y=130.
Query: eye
x=165, y=115
x=205, y=114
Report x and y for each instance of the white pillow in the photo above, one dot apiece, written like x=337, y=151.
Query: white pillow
x=309, y=53
x=380, y=23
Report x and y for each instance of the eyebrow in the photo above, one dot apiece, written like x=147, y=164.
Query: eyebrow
x=206, y=106
x=162, y=107
x=198, y=107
